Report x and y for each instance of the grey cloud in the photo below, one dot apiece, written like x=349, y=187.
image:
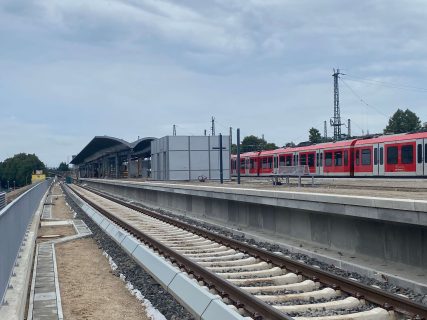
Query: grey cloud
x=75, y=68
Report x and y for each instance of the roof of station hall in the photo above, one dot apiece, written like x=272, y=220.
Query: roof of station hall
x=100, y=143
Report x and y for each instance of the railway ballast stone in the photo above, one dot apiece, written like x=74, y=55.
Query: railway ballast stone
x=136, y=275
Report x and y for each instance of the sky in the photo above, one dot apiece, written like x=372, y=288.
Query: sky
x=74, y=69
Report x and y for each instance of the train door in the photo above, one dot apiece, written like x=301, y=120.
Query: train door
x=275, y=164
x=420, y=159
x=247, y=165
x=379, y=168
x=296, y=159
x=319, y=162
x=425, y=157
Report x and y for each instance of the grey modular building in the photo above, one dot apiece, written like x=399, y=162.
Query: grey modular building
x=189, y=157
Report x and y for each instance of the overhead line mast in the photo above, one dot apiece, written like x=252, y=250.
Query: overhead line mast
x=336, y=120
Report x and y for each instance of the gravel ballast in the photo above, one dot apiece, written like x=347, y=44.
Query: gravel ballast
x=140, y=279
x=275, y=248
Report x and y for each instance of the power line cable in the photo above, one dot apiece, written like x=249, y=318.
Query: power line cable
x=222, y=125
x=386, y=84
x=362, y=100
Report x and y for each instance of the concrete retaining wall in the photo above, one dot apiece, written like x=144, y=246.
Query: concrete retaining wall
x=395, y=230
x=15, y=220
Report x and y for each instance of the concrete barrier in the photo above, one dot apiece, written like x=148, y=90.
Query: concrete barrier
x=14, y=221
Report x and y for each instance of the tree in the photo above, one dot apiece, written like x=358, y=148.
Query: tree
x=290, y=144
x=314, y=136
x=19, y=169
x=63, y=167
x=403, y=121
x=253, y=143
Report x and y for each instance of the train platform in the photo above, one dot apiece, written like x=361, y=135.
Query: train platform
x=380, y=233
x=384, y=187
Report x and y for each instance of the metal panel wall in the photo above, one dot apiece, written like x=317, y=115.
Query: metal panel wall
x=14, y=220
x=189, y=157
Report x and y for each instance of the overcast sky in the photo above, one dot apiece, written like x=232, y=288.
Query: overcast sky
x=73, y=69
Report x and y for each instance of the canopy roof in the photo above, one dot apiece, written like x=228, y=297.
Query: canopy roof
x=99, y=143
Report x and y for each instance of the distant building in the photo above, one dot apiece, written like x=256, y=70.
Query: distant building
x=37, y=176
x=109, y=157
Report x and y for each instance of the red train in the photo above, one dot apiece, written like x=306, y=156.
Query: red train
x=393, y=155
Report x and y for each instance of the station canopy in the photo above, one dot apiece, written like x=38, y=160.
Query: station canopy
x=105, y=144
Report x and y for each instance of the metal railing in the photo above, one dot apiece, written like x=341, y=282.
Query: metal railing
x=297, y=171
x=293, y=171
x=14, y=220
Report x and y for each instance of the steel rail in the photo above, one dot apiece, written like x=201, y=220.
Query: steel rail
x=382, y=298
x=258, y=309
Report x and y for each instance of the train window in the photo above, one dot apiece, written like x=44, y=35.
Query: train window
x=288, y=161
x=311, y=160
x=407, y=154
x=303, y=159
x=420, y=153
x=282, y=161
x=346, y=157
x=267, y=163
x=357, y=157
x=391, y=155
x=381, y=156
x=252, y=164
x=338, y=158
x=366, y=157
x=242, y=164
x=321, y=159
x=275, y=162
x=317, y=159
x=328, y=159
x=375, y=156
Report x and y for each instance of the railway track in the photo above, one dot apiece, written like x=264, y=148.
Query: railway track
x=260, y=284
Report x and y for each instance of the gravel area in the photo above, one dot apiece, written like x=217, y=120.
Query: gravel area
x=272, y=247
x=136, y=275
x=82, y=279
x=324, y=313
x=59, y=208
x=60, y=231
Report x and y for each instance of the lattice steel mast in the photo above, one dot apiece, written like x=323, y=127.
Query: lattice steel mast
x=336, y=120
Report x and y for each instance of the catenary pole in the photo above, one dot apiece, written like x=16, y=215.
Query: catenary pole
x=238, y=156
